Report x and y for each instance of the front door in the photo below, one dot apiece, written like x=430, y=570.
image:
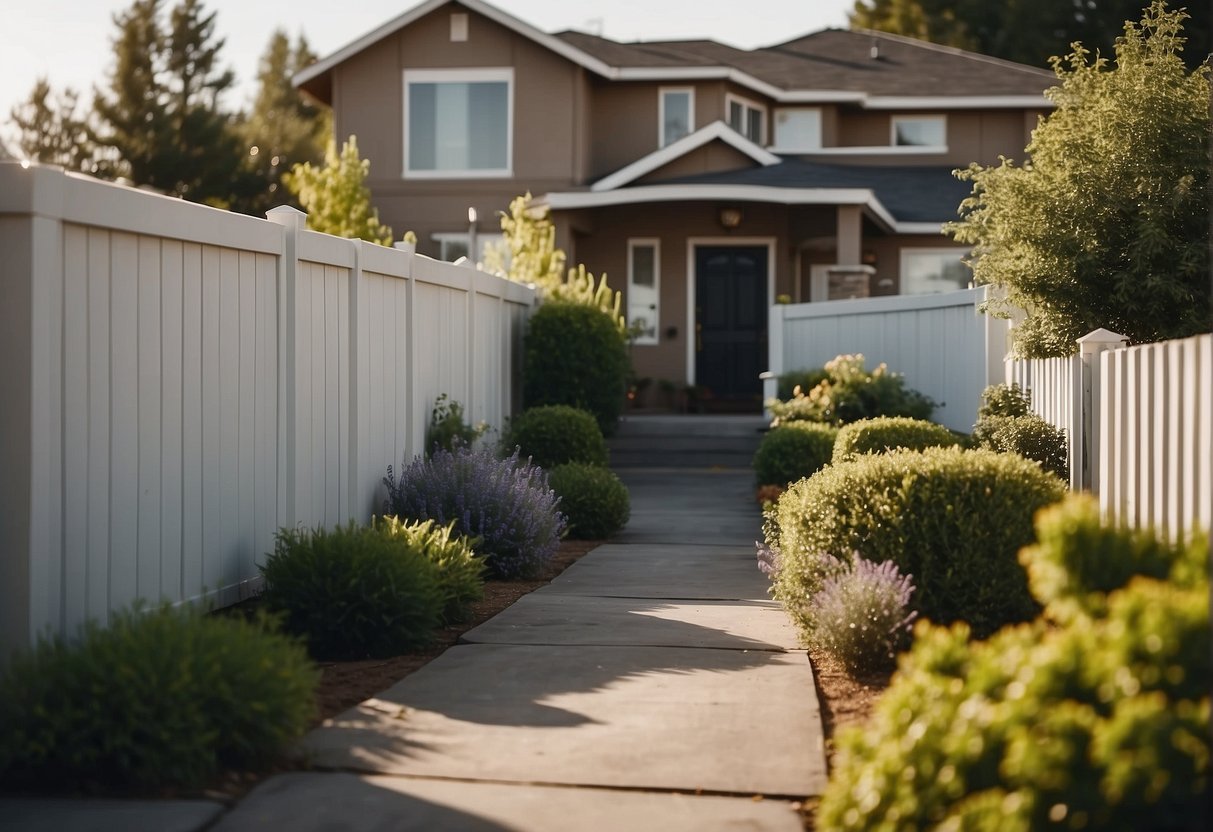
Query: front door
x=730, y=322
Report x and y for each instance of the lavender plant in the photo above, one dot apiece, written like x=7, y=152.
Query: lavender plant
x=860, y=615
x=505, y=503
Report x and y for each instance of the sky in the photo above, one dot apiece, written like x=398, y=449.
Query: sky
x=70, y=41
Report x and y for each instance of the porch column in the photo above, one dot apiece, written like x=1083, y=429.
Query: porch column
x=849, y=239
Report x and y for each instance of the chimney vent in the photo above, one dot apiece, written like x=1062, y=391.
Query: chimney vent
x=874, y=52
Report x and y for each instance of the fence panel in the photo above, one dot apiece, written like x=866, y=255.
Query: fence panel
x=181, y=381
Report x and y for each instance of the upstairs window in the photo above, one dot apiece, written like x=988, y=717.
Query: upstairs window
x=454, y=244
x=746, y=118
x=926, y=271
x=458, y=123
x=644, y=285
x=677, y=114
x=797, y=129
x=919, y=131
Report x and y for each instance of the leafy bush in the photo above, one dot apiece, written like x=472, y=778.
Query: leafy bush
x=159, y=698
x=575, y=355
x=554, y=434
x=850, y=393
x=1004, y=400
x=458, y=568
x=504, y=504
x=1094, y=716
x=861, y=614
x=953, y=519
x=792, y=451
x=353, y=591
x=447, y=428
x=804, y=379
x=594, y=500
x=886, y=433
x=1029, y=436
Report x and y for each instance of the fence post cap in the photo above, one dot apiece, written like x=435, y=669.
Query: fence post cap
x=287, y=215
x=1100, y=340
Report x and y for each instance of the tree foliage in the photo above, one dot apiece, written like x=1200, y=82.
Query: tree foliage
x=51, y=131
x=336, y=197
x=1107, y=224
x=1027, y=31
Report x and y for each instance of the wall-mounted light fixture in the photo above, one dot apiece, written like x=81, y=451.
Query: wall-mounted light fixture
x=730, y=218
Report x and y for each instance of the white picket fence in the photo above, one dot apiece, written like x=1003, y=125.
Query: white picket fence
x=179, y=382
x=941, y=343
x=1139, y=422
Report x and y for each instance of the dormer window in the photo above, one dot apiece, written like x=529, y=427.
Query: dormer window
x=746, y=117
x=458, y=123
x=677, y=114
x=919, y=131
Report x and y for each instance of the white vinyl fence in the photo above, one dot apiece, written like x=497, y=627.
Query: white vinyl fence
x=179, y=382
x=1139, y=421
x=941, y=343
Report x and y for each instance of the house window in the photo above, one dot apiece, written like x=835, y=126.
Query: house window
x=453, y=245
x=677, y=116
x=926, y=271
x=919, y=131
x=458, y=122
x=797, y=129
x=746, y=117
x=644, y=284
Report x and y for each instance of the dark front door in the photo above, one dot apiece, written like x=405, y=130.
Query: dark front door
x=730, y=321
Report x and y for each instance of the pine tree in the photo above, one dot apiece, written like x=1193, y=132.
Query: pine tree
x=335, y=196
x=51, y=132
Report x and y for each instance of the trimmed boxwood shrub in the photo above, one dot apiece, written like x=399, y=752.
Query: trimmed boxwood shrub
x=887, y=433
x=460, y=571
x=158, y=698
x=575, y=355
x=354, y=591
x=504, y=505
x=554, y=434
x=595, y=501
x=1029, y=436
x=1004, y=400
x=1095, y=716
x=953, y=519
x=793, y=451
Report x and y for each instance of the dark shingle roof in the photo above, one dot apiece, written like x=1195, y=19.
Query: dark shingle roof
x=911, y=194
x=836, y=59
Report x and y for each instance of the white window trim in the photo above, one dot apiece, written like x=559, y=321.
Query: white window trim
x=923, y=148
x=661, y=91
x=730, y=97
x=789, y=148
x=439, y=76
x=655, y=244
x=482, y=239
x=906, y=251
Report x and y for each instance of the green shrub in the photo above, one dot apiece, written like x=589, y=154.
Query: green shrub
x=1004, y=400
x=459, y=570
x=1029, y=436
x=554, y=434
x=850, y=393
x=1095, y=716
x=593, y=499
x=886, y=433
x=792, y=451
x=806, y=380
x=953, y=519
x=447, y=428
x=575, y=355
x=159, y=698
x=353, y=591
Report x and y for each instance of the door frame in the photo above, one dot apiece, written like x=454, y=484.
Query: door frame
x=728, y=242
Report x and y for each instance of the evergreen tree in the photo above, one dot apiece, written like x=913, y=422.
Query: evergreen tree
x=1107, y=224
x=336, y=197
x=51, y=132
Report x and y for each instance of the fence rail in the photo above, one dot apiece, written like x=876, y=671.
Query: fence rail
x=180, y=382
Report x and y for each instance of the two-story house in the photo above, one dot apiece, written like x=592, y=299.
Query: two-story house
x=705, y=180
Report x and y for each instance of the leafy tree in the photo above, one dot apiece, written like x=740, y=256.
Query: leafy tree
x=336, y=197
x=50, y=130
x=1027, y=31
x=1107, y=224
x=284, y=128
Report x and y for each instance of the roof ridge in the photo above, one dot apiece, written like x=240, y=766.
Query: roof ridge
x=939, y=47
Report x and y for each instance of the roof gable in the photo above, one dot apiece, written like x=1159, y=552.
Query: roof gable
x=717, y=131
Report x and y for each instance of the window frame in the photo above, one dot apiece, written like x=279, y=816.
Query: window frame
x=779, y=148
x=482, y=241
x=936, y=117
x=908, y=251
x=661, y=94
x=748, y=103
x=655, y=244
x=464, y=76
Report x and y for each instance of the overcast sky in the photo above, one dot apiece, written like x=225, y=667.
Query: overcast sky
x=70, y=41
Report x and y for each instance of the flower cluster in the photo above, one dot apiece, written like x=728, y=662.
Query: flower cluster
x=860, y=614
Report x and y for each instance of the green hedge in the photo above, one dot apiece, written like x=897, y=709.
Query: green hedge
x=792, y=451
x=1029, y=436
x=1095, y=716
x=554, y=434
x=952, y=519
x=594, y=500
x=887, y=433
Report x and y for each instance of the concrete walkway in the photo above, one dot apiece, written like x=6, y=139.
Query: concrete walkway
x=652, y=686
